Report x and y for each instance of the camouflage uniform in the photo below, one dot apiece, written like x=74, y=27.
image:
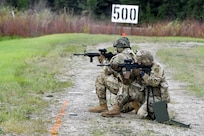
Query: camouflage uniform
x=155, y=79
x=129, y=89
x=156, y=84
x=104, y=82
x=129, y=93
x=110, y=79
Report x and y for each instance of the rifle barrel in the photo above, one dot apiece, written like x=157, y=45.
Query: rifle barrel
x=78, y=54
x=103, y=65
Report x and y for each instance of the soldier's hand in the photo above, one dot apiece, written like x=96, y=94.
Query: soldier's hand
x=107, y=71
x=136, y=72
x=101, y=59
x=115, y=67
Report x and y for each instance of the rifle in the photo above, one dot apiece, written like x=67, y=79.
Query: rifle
x=128, y=65
x=108, y=55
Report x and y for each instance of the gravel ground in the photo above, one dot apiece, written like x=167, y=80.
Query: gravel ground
x=77, y=121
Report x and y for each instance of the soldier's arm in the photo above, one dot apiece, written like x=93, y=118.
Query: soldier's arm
x=155, y=77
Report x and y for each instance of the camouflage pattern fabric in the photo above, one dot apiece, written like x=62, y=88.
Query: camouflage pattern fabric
x=122, y=42
x=104, y=82
x=129, y=93
x=128, y=90
x=127, y=53
x=119, y=59
x=137, y=90
x=111, y=79
x=157, y=80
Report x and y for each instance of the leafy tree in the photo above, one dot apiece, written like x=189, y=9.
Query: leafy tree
x=148, y=16
x=72, y=6
x=195, y=9
x=91, y=6
x=103, y=8
x=149, y=10
x=128, y=2
x=22, y=4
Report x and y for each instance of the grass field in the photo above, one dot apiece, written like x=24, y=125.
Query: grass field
x=28, y=67
x=187, y=64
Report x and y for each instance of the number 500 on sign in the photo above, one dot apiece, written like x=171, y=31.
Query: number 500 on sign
x=125, y=13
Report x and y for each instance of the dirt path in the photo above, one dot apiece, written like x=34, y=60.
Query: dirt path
x=77, y=121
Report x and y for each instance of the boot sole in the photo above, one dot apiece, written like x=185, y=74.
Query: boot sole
x=98, y=111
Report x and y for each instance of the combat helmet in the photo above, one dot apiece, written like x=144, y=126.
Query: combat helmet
x=122, y=42
x=145, y=57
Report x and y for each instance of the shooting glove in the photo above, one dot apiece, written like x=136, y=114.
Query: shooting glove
x=142, y=73
x=101, y=59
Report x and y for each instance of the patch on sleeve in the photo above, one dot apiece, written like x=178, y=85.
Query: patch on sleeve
x=156, y=70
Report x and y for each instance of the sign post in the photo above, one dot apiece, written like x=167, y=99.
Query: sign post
x=124, y=14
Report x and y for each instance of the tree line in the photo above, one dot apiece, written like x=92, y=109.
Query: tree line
x=149, y=10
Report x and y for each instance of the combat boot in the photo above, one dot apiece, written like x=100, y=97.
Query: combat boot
x=99, y=109
x=115, y=112
x=127, y=108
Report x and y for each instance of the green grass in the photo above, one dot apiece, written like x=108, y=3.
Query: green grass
x=188, y=66
x=28, y=67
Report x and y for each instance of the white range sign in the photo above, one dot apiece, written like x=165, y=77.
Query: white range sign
x=125, y=13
